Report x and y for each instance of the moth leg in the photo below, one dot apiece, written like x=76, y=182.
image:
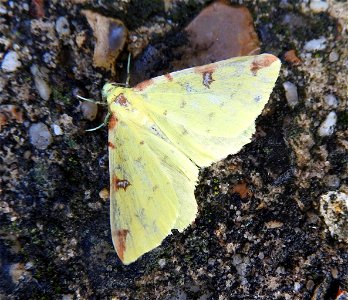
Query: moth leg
x=128, y=69
x=105, y=122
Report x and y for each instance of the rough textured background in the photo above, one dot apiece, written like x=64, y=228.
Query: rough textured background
x=259, y=233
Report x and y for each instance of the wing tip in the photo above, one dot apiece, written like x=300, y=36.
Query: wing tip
x=119, y=237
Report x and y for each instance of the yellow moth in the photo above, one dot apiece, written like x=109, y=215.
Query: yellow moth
x=163, y=129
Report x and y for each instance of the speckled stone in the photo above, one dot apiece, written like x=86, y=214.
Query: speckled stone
x=10, y=62
x=220, y=32
x=40, y=136
x=334, y=209
x=110, y=37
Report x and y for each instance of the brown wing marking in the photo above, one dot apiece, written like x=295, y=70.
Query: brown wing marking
x=142, y=85
x=120, y=237
x=119, y=183
x=168, y=76
x=111, y=145
x=122, y=100
x=113, y=121
x=262, y=61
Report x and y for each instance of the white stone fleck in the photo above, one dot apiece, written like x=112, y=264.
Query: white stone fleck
x=297, y=286
x=316, y=44
x=331, y=100
x=333, y=56
x=162, y=262
x=334, y=209
x=318, y=6
x=10, y=62
x=291, y=93
x=62, y=26
x=56, y=129
x=328, y=126
x=25, y=6
x=40, y=136
x=3, y=10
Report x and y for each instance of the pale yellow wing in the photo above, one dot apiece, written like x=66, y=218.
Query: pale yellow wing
x=163, y=125
x=152, y=186
x=209, y=112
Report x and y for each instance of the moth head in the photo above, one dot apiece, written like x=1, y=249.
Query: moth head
x=107, y=89
x=112, y=93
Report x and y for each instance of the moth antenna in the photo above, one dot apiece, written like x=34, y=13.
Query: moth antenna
x=91, y=100
x=105, y=122
x=118, y=84
x=128, y=69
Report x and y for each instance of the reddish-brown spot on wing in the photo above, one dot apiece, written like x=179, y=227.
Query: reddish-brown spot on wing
x=169, y=77
x=143, y=85
x=122, y=100
x=120, y=237
x=211, y=68
x=207, y=73
x=112, y=122
x=261, y=62
x=118, y=183
x=111, y=145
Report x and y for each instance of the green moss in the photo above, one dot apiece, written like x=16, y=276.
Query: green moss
x=71, y=143
x=40, y=174
x=59, y=94
x=342, y=119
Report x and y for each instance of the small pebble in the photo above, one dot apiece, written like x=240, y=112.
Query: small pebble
x=25, y=6
x=10, y=62
x=104, y=194
x=332, y=181
x=297, y=286
x=291, y=57
x=57, y=130
x=291, y=93
x=328, y=126
x=316, y=44
x=43, y=88
x=318, y=6
x=62, y=26
x=40, y=136
x=3, y=10
x=333, y=56
x=111, y=35
x=41, y=85
x=162, y=262
x=334, y=209
x=310, y=285
x=331, y=101
x=17, y=272
x=89, y=110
